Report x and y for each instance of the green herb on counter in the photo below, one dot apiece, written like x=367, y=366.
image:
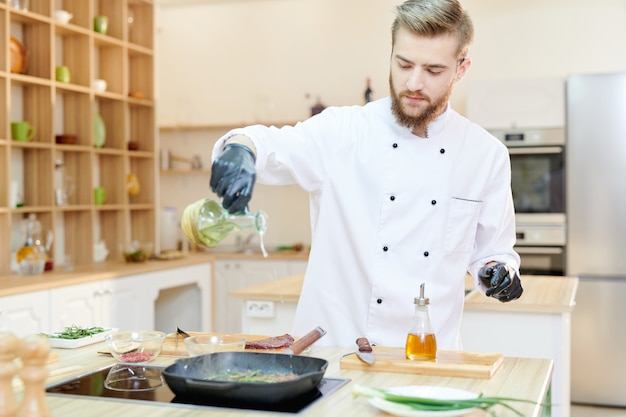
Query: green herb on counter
x=433, y=404
x=76, y=332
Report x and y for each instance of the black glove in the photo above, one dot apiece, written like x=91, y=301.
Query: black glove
x=233, y=176
x=499, y=282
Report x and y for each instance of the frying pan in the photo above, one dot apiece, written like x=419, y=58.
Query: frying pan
x=187, y=377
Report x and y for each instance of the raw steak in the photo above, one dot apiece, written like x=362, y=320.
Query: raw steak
x=275, y=342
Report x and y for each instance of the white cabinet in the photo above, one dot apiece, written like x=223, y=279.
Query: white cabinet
x=122, y=303
x=181, y=298
x=233, y=275
x=529, y=335
x=160, y=300
x=25, y=314
x=76, y=304
x=280, y=322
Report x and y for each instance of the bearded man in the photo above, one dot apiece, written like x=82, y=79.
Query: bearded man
x=403, y=191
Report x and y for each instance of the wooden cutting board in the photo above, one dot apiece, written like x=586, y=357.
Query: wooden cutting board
x=448, y=363
x=174, y=345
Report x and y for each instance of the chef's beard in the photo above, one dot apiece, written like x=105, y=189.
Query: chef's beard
x=423, y=119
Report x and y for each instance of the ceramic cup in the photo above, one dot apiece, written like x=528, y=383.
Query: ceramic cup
x=22, y=131
x=62, y=74
x=20, y=4
x=63, y=16
x=99, y=196
x=100, y=85
x=101, y=24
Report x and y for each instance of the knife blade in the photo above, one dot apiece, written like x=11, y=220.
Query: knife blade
x=365, y=351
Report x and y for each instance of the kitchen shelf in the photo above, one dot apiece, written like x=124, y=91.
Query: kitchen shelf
x=124, y=57
x=177, y=172
x=221, y=126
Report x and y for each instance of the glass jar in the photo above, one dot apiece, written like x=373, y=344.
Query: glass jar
x=31, y=257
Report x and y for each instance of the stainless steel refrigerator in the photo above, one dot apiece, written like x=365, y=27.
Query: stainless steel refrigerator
x=596, y=238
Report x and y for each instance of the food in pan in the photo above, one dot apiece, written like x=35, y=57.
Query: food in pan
x=251, y=375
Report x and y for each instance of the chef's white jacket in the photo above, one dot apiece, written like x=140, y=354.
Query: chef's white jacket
x=389, y=211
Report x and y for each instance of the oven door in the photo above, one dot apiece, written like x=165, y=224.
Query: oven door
x=541, y=260
x=538, y=186
x=537, y=179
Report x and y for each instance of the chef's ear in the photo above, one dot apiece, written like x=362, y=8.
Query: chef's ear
x=462, y=69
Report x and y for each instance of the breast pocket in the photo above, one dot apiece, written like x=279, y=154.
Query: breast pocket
x=461, y=225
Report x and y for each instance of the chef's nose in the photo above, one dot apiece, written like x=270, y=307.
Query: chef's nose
x=415, y=82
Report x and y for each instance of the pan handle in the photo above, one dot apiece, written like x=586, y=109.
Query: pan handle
x=305, y=341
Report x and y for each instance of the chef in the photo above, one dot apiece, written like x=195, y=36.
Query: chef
x=403, y=191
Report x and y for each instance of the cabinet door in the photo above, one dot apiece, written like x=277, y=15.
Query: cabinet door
x=182, y=298
x=297, y=267
x=25, y=314
x=233, y=275
x=76, y=305
x=126, y=303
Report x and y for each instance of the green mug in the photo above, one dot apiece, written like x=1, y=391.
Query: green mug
x=101, y=24
x=62, y=74
x=99, y=196
x=22, y=131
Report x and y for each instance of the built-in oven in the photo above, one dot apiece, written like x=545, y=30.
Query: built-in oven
x=538, y=186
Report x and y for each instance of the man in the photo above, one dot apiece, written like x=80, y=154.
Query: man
x=403, y=191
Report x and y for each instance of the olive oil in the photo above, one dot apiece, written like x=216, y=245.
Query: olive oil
x=421, y=343
x=421, y=346
x=214, y=234
x=206, y=223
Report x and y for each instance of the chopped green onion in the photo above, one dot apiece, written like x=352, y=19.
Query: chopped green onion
x=434, y=404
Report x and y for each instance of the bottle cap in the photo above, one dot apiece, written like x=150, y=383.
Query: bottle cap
x=421, y=301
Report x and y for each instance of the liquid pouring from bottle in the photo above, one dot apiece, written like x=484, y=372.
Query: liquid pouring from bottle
x=206, y=223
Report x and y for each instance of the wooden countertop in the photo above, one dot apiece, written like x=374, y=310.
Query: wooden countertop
x=285, y=290
x=541, y=294
x=518, y=377
x=18, y=284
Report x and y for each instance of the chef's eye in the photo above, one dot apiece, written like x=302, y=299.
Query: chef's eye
x=404, y=64
x=434, y=71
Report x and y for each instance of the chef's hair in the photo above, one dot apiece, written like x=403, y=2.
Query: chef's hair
x=434, y=18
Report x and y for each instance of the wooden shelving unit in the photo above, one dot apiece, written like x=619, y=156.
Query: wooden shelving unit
x=124, y=57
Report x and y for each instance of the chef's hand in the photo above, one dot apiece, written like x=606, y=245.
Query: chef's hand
x=233, y=176
x=502, y=282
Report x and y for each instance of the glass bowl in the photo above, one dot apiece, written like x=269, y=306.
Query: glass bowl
x=204, y=344
x=136, y=251
x=131, y=377
x=137, y=346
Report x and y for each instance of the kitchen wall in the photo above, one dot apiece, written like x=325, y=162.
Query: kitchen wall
x=243, y=61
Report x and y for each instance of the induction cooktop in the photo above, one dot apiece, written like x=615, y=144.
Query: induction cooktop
x=92, y=384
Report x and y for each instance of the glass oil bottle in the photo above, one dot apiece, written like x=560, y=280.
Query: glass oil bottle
x=206, y=223
x=421, y=343
x=31, y=257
